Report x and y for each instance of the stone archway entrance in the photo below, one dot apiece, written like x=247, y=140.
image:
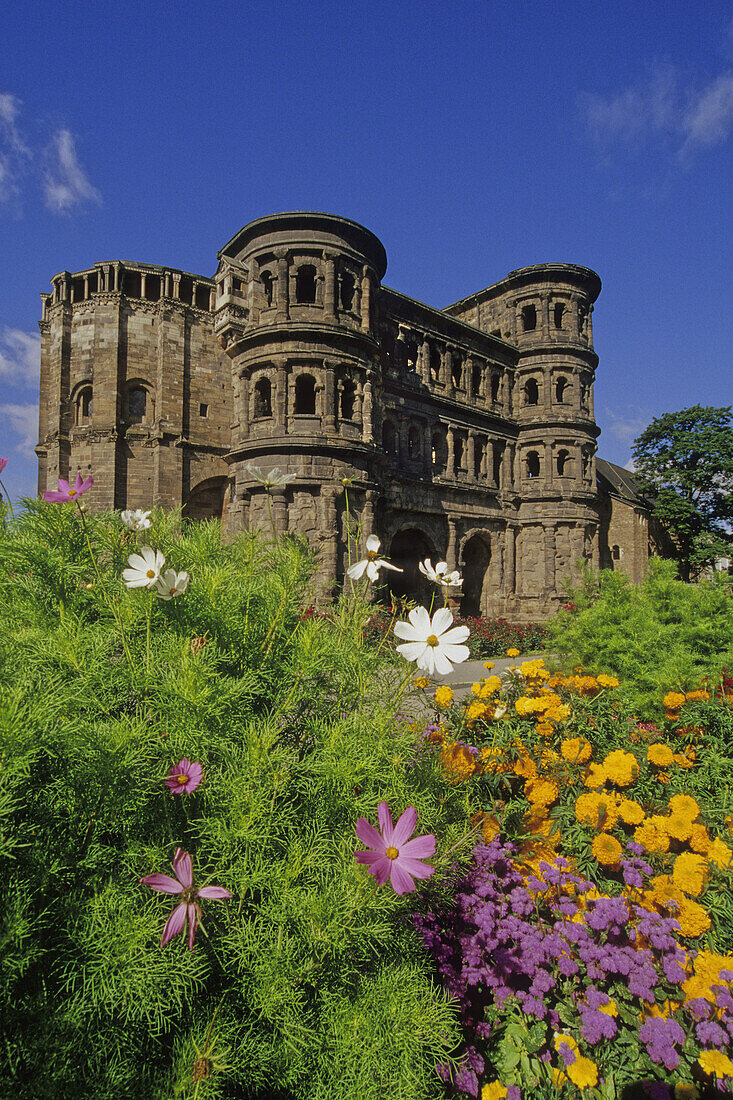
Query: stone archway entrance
x=206, y=500
x=407, y=549
x=476, y=558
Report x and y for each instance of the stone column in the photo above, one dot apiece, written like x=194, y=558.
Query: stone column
x=545, y=310
x=329, y=286
x=450, y=466
x=283, y=297
x=574, y=321
x=366, y=299
x=279, y=509
x=403, y=433
x=471, y=456
x=167, y=285
x=330, y=544
x=116, y=275
x=450, y=554
x=86, y=287
x=367, y=414
x=548, y=466
x=244, y=405
x=281, y=396
x=368, y=517
x=358, y=404
x=510, y=568
x=176, y=286
x=549, y=529
x=328, y=416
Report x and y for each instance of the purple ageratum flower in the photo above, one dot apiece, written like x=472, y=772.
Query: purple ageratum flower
x=184, y=777
x=513, y=1092
x=189, y=909
x=710, y=1034
x=64, y=494
x=395, y=856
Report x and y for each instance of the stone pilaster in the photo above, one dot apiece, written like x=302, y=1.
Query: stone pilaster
x=283, y=295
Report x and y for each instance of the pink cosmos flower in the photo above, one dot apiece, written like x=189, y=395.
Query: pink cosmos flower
x=395, y=856
x=3, y=463
x=184, y=777
x=64, y=494
x=189, y=909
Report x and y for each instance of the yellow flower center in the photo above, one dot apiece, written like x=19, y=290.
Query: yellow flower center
x=182, y=779
x=372, y=555
x=431, y=640
x=150, y=573
x=392, y=853
x=72, y=492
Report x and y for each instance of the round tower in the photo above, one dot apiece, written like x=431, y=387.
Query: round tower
x=296, y=311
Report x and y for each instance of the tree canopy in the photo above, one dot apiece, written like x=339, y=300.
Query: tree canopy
x=685, y=459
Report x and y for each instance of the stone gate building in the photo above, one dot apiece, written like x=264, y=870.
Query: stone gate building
x=465, y=433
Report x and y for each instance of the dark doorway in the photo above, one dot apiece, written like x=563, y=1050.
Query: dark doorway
x=407, y=550
x=476, y=558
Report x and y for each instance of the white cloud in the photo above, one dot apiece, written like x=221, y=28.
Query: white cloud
x=20, y=356
x=10, y=108
x=662, y=105
x=23, y=422
x=627, y=424
x=66, y=182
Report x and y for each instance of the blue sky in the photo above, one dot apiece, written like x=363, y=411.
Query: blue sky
x=472, y=138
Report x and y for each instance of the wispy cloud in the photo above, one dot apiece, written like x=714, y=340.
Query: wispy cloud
x=20, y=356
x=22, y=421
x=51, y=163
x=626, y=424
x=67, y=183
x=662, y=105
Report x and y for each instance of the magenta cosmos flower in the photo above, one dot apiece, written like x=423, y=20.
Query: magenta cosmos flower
x=184, y=777
x=63, y=494
x=395, y=857
x=189, y=909
x=3, y=463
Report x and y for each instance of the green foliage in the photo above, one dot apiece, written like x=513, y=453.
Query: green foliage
x=686, y=460
x=309, y=982
x=656, y=636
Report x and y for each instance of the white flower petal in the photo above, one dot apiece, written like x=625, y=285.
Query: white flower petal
x=442, y=664
x=373, y=543
x=408, y=631
x=442, y=619
x=427, y=660
x=456, y=653
x=357, y=569
x=412, y=651
x=420, y=619
x=454, y=636
x=373, y=570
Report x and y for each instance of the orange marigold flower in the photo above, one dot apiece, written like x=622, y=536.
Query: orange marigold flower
x=660, y=754
x=576, y=750
x=693, y=919
x=715, y=1063
x=700, y=839
x=597, y=809
x=719, y=853
x=540, y=791
x=685, y=805
x=545, y=729
x=494, y=760
x=699, y=693
x=689, y=873
x=652, y=835
x=458, y=761
x=673, y=700
x=621, y=767
x=607, y=681
x=607, y=849
x=685, y=759
x=594, y=775
x=630, y=812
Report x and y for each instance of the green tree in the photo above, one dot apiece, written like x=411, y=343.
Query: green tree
x=685, y=459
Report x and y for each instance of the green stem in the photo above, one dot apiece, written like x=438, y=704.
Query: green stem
x=147, y=634
x=113, y=608
x=269, y=512
x=348, y=530
x=7, y=494
x=384, y=639
x=269, y=638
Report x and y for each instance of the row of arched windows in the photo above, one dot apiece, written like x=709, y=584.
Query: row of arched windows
x=434, y=447
x=307, y=282
x=563, y=464
x=562, y=391
x=305, y=398
x=137, y=407
x=529, y=316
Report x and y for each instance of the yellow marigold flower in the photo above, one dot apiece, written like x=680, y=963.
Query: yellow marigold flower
x=583, y=1072
x=512, y=653
x=715, y=1063
x=587, y=685
x=673, y=700
x=443, y=696
x=493, y=1091
x=610, y=1009
x=700, y=840
x=719, y=853
x=707, y=974
x=568, y=1040
x=493, y=759
x=541, y=792
x=598, y=810
x=576, y=750
x=489, y=686
x=525, y=767
x=523, y=706
x=621, y=767
x=685, y=805
x=489, y=828
x=421, y=682
x=653, y=835
x=685, y=759
x=558, y=712
x=660, y=754
x=475, y=710
x=488, y=664
x=664, y=891
x=458, y=761
x=607, y=849
x=699, y=693
x=679, y=827
x=689, y=873
x=545, y=729
x=595, y=776
x=693, y=919
x=630, y=812
x=607, y=681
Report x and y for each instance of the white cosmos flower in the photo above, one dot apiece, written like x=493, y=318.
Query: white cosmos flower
x=270, y=479
x=431, y=643
x=371, y=564
x=145, y=568
x=171, y=584
x=137, y=520
x=440, y=574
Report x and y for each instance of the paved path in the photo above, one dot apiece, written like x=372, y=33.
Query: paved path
x=462, y=676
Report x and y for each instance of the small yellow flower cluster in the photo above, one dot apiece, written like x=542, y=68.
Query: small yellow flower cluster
x=443, y=696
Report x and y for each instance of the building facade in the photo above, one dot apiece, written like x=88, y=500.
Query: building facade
x=464, y=434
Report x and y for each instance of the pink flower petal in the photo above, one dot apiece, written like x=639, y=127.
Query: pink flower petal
x=369, y=835
x=368, y=857
x=163, y=883
x=415, y=867
x=385, y=822
x=405, y=827
x=182, y=868
x=399, y=879
x=418, y=847
x=216, y=892
x=175, y=923
x=196, y=774
x=194, y=915
x=381, y=870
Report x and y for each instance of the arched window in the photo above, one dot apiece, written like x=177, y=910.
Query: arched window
x=458, y=451
x=616, y=553
x=479, y=450
x=529, y=318
x=496, y=464
x=348, y=401
x=477, y=373
x=348, y=286
x=434, y=363
x=413, y=442
x=389, y=438
x=495, y=383
x=457, y=370
x=563, y=463
x=267, y=283
x=557, y=313
x=305, y=395
x=533, y=464
x=531, y=392
x=137, y=404
x=439, y=450
x=262, y=398
x=84, y=405
x=561, y=387
x=305, y=284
